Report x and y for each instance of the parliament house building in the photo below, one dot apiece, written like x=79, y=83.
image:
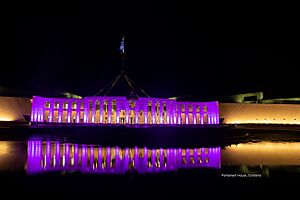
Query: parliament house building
x=121, y=110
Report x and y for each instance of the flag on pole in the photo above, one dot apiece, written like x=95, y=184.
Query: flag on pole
x=122, y=45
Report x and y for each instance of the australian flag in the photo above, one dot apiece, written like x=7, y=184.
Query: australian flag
x=122, y=46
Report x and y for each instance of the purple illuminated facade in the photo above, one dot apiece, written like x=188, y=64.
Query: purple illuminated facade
x=120, y=110
x=47, y=156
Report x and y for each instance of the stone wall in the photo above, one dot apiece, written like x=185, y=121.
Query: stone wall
x=247, y=113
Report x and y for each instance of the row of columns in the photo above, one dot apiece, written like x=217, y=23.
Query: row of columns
x=169, y=118
x=60, y=110
x=125, y=106
x=173, y=112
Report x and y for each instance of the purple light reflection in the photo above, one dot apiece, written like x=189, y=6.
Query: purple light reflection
x=47, y=156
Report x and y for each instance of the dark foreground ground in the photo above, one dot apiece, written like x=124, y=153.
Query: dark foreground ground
x=184, y=184
x=188, y=184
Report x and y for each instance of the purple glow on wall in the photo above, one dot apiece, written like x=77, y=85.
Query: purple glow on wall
x=47, y=156
x=44, y=110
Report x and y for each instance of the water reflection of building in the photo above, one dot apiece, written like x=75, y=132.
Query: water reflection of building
x=121, y=110
x=55, y=156
x=12, y=156
x=262, y=153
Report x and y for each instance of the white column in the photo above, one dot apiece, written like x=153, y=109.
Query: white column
x=187, y=114
x=60, y=111
x=201, y=115
x=109, y=111
x=161, y=112
x=179, y=114
x=69, y=118
x=208, y=115
x=117, y=112
x=86, y=111
x=41, y=111
x=145, y=108
x=127, y=111
x=136, y=113
x=51, y=110
x=194, y=114
x=101, y=110
x=78, y=111
x=153, y=112
x=93, y=110
x=218, y=114
x=174, y=113
x=168, y=114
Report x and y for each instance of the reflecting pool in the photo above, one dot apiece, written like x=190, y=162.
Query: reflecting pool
x=37, y=156
x=40, y=164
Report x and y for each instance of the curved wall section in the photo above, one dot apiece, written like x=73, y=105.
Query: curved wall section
x=13, y=108
x=247, y=113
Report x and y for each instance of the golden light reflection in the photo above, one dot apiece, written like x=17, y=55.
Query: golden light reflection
x=262, y=153
x=11, y=156
x=4, y=147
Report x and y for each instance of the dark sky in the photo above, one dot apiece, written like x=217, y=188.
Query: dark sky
x=172, y=49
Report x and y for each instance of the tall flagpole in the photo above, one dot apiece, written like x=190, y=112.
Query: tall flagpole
x=122, y=75
x=123, y=53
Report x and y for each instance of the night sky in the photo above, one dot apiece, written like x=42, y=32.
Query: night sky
x=172, y=49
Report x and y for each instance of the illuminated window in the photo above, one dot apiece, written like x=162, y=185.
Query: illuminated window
x=90, y=105
x=74, y=105
x=149, y=106
x=197, y=108
x=190, y=108
x=65, y=105
x=131, y=104
x=114, y=105
x=157, y=107
x=105, y=108
x=97, y=105
x=47, y=104
x=204, y=108
x=56, y=104
x=182, y=108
